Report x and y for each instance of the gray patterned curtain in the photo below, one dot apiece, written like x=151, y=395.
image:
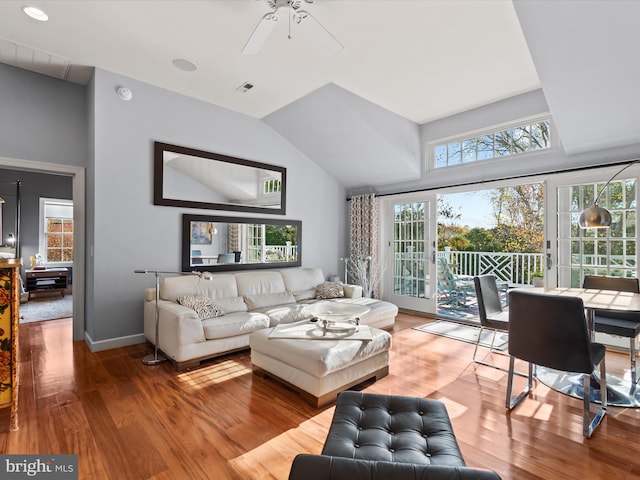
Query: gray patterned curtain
x=363, y=243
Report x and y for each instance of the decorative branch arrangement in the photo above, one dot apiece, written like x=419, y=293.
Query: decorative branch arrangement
x=366, y=274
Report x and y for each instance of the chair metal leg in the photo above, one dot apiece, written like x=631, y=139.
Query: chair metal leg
x=633, y=351
x=512, y=401
x=590, y=424
x=491, y=350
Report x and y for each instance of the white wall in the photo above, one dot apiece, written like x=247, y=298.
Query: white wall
x=129, y=232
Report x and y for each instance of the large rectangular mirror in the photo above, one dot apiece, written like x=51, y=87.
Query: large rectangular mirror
x=211, y=243
x=185, y=177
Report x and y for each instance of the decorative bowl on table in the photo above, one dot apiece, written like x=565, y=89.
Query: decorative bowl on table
x=337, y=317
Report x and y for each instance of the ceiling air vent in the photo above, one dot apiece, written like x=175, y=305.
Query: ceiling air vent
x=245, y=87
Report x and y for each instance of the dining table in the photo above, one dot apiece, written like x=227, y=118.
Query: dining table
x=621, y=392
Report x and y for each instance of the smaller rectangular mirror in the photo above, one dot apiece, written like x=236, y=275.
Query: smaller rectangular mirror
x=211, y=243
x=186, y=177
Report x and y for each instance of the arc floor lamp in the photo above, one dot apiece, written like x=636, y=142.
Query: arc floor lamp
x=595, y=216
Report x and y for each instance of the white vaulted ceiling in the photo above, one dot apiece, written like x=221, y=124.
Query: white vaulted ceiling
x=418, y=60
x=421, y=59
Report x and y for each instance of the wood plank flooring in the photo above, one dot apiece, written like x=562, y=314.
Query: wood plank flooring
x=129, y=421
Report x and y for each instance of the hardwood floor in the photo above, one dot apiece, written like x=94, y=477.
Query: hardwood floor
x=129, y=421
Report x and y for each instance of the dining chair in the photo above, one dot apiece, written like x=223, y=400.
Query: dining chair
x=492, y=316
x=621, y=324
x=551, y=331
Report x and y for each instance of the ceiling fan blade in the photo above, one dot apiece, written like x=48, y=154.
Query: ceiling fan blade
x=260, y=34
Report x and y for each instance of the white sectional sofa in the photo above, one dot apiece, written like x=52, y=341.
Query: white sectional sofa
x=248, y=301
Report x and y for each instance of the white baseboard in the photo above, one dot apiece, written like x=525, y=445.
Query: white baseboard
x=113, y=342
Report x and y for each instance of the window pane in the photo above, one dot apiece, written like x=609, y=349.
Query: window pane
x=521, y=139
x=54, y=225
x=503, y=143
x=441, y=156
x=540, y=135
x=54, y=255
x=469, y=151
x=485, y=147
x=54, y=241
x=454, y=154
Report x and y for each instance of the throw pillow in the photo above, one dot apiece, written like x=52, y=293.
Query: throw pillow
x=329, y=290
x=203, y=306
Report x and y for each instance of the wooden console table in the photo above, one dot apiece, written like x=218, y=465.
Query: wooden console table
x=47, y=280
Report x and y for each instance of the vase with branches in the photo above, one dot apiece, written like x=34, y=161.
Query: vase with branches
x=365, y=273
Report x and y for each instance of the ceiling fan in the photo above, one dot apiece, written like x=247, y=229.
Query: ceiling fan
x=268, y=22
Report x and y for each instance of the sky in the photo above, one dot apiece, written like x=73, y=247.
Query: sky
x=474, y=206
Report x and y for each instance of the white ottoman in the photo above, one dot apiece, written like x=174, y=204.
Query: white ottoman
x=320, y=369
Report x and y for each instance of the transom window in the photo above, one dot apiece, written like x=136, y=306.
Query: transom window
x=524, y=138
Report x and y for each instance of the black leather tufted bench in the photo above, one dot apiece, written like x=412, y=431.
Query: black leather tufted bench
x=374, y=436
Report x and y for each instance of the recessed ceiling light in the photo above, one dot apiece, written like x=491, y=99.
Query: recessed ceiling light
x=36, y=13
x=185, y=65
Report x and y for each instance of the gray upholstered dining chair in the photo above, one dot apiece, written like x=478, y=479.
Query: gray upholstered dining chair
x=621, y=324
x=551, y=331
x=491, y=314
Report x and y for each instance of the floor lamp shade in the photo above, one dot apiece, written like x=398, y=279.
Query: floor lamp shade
x=595, y=217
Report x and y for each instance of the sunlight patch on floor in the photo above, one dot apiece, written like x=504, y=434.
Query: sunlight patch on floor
x=454, y=408
x=218, y=373
x=531, y=408
x=308, y=437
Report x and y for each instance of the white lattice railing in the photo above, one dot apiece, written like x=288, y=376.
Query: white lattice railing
x=513, y=268
x=273, y=253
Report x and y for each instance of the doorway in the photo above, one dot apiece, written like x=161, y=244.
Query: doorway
x=78, y=192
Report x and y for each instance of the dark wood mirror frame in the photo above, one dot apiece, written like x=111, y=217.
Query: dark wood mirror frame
x=162, y=197
x=199, y=232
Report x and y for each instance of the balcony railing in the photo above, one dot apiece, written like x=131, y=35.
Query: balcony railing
x=512, y=268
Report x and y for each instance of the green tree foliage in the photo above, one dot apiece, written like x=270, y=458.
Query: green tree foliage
x=280, y=235
x=447, y=227
x=518, y=213
x=483, y=240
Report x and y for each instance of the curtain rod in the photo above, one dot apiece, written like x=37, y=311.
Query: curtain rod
x=502, y=179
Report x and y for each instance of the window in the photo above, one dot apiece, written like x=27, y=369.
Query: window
x=597, y=251
x=516, y=140
x=272, y=185
x=56, y=231
x=255, y=237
